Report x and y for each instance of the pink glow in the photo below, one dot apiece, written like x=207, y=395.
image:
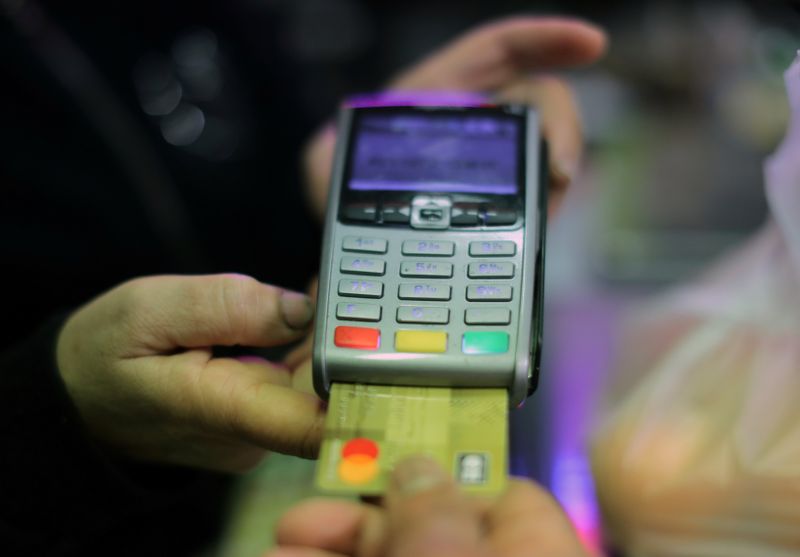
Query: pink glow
x=573, y=487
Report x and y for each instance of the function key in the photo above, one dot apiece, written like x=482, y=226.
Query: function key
x=426, y=269
x=491, y=269
x=364, y=245
x=498, y=216
x=492, y=248
x=417, y=291
x=423, y=314
x=420, y=341
x=487, y=316
x=484, y=342
x=361, y=338
x=362, y=212
x=489, y=292
x=362, y=266
x=358, y=312
x=429, y=247
x=465, y=214
x=432, y=212
x=360, y=288
x=396, y=213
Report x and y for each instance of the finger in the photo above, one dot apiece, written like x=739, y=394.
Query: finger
x=302, y=378
x=561, y=126
x=313, y=288
x=251, y=402
x=339, y=526
x=527, y=516
x=317, y=163
x=301, y=353
x=276, y=417
x=263, y=369
x=427, y=515
x=491, y=56
x=168, y=312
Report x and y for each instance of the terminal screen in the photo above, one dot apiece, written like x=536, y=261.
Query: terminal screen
x=441, y=153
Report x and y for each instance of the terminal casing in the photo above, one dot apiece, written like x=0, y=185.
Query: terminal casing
x=430, y=259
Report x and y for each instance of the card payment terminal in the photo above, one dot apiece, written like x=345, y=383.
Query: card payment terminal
x=433, y=256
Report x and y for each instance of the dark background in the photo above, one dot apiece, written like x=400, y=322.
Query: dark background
x=164, y=137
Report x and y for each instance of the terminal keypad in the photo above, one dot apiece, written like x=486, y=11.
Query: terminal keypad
x=479, y=280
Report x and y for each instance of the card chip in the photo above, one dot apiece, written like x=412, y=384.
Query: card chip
x=472, y=468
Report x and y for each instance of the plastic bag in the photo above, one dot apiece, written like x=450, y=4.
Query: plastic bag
x=700, y=454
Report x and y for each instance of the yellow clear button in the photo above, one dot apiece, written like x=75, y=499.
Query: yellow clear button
x=420, y=341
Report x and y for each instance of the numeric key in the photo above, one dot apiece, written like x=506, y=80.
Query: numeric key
x=492, y=248
x=489, y=292
x=426, y=269
x=362, y=244
x=429, y=247
x=360, y=288
x=419, y=291
x=491, y=269
x=362, y=266
x=358, y=312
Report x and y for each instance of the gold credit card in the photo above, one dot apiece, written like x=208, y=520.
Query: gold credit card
x=371, y=427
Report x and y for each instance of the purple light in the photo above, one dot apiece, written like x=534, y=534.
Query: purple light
x=573, y=487
x=419, y=98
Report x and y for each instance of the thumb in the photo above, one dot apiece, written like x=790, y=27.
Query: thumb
x=428, y=516
x=168, y=312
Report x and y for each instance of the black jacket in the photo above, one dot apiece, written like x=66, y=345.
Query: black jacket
x=106, y=174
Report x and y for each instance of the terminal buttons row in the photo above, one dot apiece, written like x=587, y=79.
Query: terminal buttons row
x=429, y=315
x=473, y=342
x=427, y=269
x=437, y=248
x=459, y=214
x=424, y=291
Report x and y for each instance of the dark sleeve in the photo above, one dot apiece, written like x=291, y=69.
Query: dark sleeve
x=60, y=494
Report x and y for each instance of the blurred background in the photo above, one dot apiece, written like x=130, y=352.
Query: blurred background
x=678, y=118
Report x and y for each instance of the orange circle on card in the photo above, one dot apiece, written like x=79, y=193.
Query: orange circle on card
x=358, y=469
x=360, y=446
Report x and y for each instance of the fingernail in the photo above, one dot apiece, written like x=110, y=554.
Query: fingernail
x=296, y=309
x=417, y=474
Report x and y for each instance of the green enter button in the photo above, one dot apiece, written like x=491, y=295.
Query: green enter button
x=489, y=342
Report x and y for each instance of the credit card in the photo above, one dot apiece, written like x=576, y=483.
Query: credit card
x=371, y=427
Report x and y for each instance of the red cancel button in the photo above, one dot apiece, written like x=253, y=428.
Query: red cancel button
x=362, y=338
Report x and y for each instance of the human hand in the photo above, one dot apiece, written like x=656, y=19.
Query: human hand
x=497, y=59
x=425, y=515
x=299, y=358
x=137, y=362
